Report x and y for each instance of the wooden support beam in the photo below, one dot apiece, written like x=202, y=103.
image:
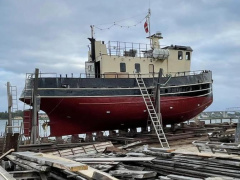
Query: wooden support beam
x=133, y=174
x=4, y=175
x=116, y=159
x=32, y=165
x=6, y=153
x=50, y=160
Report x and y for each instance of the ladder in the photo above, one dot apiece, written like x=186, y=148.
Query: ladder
x=15, y=122
x=152, y=113
x=27, y=107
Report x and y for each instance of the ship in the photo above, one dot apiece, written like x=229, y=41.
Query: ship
x=107, y=95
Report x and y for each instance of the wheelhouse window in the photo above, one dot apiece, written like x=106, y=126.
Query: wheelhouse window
x=151, y=68
x=122, y=67
x=188, y=56
x=137, y=68
x=180, y=55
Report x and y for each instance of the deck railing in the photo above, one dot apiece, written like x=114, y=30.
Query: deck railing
x=116, y=75
x=117, y=48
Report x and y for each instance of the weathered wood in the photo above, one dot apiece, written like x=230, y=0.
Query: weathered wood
x=137, y=168
x=42, y=176
x=176, y=177
x=74, y=175
x=6, y=153
x=5, y=175
x=117, y=159
x=130, y=145
x=202, y=168
x=166, y=150
x=87, y=149
x=26, y=174
x=160, y=154
x=12, y=158
x=61, y=163
x=132, y=154
x=232, y=163
x=56, y=176
x=133, y=174
x=164, y=178
x=50, y=160
x=28, y=163
x=181, y=170
x=91, y=172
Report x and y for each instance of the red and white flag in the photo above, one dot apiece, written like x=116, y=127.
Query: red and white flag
x=146, y=26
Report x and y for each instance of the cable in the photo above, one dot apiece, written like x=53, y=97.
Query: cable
x=119, y=25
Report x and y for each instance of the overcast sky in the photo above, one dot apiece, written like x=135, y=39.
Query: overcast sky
x=52, y=36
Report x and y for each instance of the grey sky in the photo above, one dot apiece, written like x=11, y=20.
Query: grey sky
x=52, y=36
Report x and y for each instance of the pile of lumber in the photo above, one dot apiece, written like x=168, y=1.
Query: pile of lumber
x=83, y=150
x=229, y=148
x=54, y=167
x=192, y=165
x=117, y=163
x=52, y=147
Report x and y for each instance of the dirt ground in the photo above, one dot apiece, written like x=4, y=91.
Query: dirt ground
x=183, y=145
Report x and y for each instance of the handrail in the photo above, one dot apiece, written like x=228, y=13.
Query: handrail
x=118, y=75
x=117, y=48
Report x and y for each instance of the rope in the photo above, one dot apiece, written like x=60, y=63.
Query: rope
x=119, y=25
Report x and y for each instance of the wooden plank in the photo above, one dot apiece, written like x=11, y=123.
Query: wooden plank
x=79, y=151
x=166, y=150
x=5, y=175
x=130, y=145
x=54, y=161
x=133, y=174
x=92, y=173
x=108, y=143
x=172, y=176
x=164, y=178
x=65, y=151
x=117, y=159
x=28, y=163
x=159, y=154
x=18, y=163
x=26, y=174
x=6, y=153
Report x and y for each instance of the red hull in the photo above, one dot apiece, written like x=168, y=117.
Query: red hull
x=89, y=114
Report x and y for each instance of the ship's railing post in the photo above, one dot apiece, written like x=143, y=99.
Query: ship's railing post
x=139, y=50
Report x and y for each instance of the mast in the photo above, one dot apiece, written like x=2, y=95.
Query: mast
x=93, y=54
x=92, y=30
x=148, y=23
x=148, y=17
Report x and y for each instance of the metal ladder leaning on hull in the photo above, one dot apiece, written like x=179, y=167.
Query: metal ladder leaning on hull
x=152, y=113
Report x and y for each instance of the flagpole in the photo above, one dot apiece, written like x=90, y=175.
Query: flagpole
x=149, y=14
x=148, y=18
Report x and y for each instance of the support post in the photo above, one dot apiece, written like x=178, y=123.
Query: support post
x=9, y=95
x=237, y=133
x=34, y=133
x=157, y=97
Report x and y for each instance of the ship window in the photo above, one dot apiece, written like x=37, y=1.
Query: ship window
x=151, y=68
x=89, y=68
x=187, y=55
x=137, y=68
x=122, y=67
x=180, y=55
